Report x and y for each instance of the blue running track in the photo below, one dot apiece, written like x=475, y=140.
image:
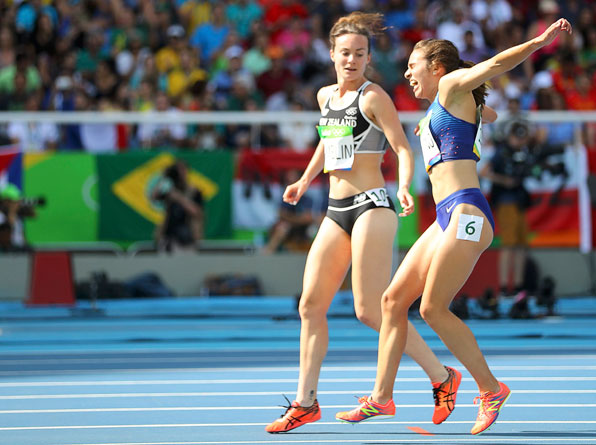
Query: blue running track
x=213, y=370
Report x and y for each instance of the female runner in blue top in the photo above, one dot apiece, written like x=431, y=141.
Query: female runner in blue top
x=440, y=261
x=358, y=123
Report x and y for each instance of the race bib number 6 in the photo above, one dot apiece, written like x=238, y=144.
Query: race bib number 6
x=469, y=227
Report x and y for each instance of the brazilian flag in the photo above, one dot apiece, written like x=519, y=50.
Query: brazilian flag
x=125, y=182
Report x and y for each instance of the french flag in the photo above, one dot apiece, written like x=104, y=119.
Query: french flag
x=11, y=162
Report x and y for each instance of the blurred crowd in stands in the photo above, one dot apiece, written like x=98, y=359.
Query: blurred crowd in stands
x=232, y=55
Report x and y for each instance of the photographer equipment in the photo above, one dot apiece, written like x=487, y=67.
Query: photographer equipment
x=520, y=157
x=489, y=303
x=12, y=193
x=546, y=295
x=182, y=204
x=38, y=201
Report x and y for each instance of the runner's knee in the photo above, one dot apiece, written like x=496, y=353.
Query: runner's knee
x=432, y=313
x=311, y=308
x=393, y=305
x=368, y=316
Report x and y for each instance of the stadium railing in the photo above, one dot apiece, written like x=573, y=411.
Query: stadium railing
x=233, y=117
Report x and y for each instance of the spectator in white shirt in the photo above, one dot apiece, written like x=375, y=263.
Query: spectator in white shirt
x=455, y=29
x=155, y=135
x=33, y=136
x=297, y=135
x=100, y=137
x=492, y=14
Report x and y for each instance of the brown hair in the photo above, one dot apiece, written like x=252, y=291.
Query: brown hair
x=365, y=24
x=445, y=53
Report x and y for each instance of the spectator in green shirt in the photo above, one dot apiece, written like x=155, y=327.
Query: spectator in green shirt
x=21, y=65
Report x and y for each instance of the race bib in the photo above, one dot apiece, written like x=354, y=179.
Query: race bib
x=478, y=139
x=430, y=148
x=378, y=196
x=469, y=227
x=338, y=142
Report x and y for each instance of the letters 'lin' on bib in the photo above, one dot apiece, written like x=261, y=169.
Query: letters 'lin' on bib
x=338, y=142
x=469, y=227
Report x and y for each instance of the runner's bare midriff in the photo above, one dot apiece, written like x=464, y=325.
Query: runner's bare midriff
x=448, y=177
x=364, y=175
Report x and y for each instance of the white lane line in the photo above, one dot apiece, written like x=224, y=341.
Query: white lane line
x=129, y=355
x=368, y=441
x=218, y=425
x=203, y=425
x=190, y=359
x=277, y=393
x=249, y=408
x=238, y=369
x=255, y=393
x=244, y=356
x=542, y=369
x=194, y=348
x=325, y=392
x=540, y=378
x=330, y=368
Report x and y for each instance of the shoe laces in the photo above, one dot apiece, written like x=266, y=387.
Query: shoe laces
x=447, y=397
x=291, y=419
x=484, y=400
x=288, y=407
x=363, y=400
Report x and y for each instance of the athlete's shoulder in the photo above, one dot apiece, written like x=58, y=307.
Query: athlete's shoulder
x=375, y=99
x=324, y=93
x=374, y=90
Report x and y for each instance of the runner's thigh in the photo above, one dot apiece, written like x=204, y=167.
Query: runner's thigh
x=327, y=263
x=408, y=281
x=454, y=258
x=372, y=255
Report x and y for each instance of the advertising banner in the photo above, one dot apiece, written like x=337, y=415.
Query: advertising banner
x=64, y=186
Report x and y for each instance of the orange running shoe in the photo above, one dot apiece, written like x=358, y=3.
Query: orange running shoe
x=368, y=409
x=490, y=405
x=294, y=417
x=445, y=394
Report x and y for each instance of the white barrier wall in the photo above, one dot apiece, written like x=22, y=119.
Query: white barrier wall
x=280, y=274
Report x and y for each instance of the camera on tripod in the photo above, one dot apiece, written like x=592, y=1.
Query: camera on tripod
x=531, y=159
x=38, y=201
x=27, y=206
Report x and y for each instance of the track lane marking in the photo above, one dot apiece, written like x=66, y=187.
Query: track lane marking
x=422, y=431
x=219, y=425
